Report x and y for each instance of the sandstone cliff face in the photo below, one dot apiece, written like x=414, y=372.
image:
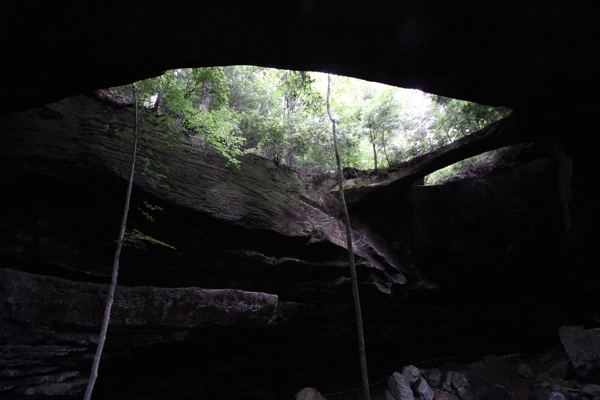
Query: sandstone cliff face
x=76, y=154
x=256, y=294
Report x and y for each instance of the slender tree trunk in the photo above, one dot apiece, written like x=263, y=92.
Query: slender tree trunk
x=159, y=98
x=115, y=272
x=206, y=97
x=359, y=323
x=448, y=136
x=384, y=149
x=375, y=155
x=288, y=105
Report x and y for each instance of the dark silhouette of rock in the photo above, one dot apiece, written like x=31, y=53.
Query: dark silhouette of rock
x=424, y=390
x=556, y=396
x=53, y=302
x=258, y=231
x=591, y=390
x=583, y=347
x=524, y=370
x=400, y=387
x=461, y=385
x=309, y=394
x=434, y=377
x=411, y=373
x=522, y=60
x=60, y=189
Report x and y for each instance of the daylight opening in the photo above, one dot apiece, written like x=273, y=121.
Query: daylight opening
x=281, y=115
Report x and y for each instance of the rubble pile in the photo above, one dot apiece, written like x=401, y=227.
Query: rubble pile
x=572, y=373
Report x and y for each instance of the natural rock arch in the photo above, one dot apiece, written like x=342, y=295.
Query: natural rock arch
x=526, y=57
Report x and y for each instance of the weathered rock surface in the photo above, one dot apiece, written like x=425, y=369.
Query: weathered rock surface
x=309, y=394
x=498, y=378
x=525, y=371
x=434, y=378
x=489, y=375
x=79, y=148
x=147, y=315
x=583, y=347
x=255, y=229
x=511, y=130
x=511, y=54
x=503, y=275
x=34, y=300
x=424, y=390
x=265, y=243
x=591, y=390
x=400, y=387
x=411, y=373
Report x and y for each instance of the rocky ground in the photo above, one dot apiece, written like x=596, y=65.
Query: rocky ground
x=567, y=372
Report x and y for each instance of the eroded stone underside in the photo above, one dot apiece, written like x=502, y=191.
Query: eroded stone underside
x=256, y=295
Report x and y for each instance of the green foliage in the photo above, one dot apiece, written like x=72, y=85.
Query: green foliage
x=281, y=116
x=195, y=100
x=151, y=171
x=297, y=89
x=468, y=168
x=457, y=118
x=381, y=121
x=147, y=208
x=138, y=240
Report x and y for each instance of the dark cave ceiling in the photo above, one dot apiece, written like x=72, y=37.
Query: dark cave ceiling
x=525, y=56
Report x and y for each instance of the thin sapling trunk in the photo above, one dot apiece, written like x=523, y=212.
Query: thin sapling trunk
x=115, y=272
x=359, y=323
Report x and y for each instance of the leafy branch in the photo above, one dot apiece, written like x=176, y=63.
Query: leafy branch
x=136, y=239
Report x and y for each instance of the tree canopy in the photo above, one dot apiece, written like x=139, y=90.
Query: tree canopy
x=282, y=115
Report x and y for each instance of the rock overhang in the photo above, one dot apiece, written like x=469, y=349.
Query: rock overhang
x=524, y=56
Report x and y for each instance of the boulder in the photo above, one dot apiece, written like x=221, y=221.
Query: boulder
x=309, y=394
x=411, y=373
x=591, y=389
x=434, y=377
x=400, y=387
x=499, y=392
x=560, y=369
x=424, y=390
x=484, y=376
x=461, y=384
x=582, y=347
x=445, y=396
x=557, y=396
x=525, y=371
x=447, y=385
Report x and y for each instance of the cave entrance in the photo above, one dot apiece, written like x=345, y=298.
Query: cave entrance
x=280, y=115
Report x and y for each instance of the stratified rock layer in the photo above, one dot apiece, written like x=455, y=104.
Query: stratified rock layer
x=64, y=164
x=256, y=296
x=34, y=300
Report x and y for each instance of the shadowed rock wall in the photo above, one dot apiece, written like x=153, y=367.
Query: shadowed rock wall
x=522, y=56
x=492, y=248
